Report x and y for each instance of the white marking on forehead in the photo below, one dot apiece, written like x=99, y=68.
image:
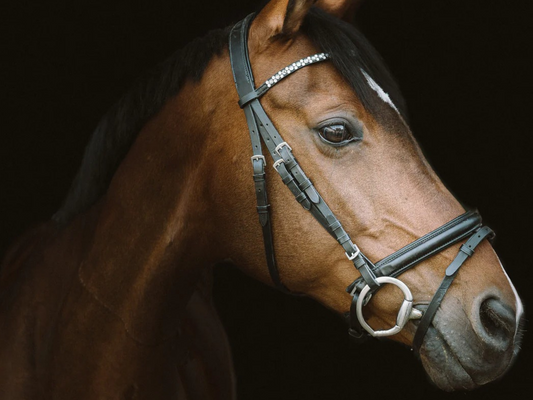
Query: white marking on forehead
x=381, y=93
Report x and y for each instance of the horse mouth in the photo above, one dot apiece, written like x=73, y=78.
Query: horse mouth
x=443, y=365
x=450, y=371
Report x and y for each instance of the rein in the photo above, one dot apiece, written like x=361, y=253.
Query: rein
x=373, y=276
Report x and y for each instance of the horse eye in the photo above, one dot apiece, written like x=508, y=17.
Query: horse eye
x=336, y=134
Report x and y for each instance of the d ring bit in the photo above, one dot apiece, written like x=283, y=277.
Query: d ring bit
x=405, y=313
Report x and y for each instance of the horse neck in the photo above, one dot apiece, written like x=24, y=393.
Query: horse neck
x=157, y=229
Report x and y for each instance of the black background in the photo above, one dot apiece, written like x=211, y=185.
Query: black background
x=464, y=68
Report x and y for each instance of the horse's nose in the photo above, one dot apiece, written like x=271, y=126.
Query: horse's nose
x=497, y=323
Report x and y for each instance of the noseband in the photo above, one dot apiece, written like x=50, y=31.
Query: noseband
x=373, y=276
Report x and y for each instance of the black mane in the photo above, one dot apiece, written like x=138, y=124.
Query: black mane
x=350, y=52
x=119, y=127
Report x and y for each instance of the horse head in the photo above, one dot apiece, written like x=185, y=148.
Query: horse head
x=344, y=121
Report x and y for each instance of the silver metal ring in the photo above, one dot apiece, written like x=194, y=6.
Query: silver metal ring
x=404, y=314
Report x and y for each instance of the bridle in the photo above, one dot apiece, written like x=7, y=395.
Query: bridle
x=373, y=276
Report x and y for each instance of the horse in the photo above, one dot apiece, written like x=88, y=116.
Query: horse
x=111, y=298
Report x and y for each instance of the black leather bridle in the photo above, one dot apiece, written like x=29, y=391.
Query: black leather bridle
x=373, y=276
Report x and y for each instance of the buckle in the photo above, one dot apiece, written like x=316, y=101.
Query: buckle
x=355, y=253
x=279, y=146
x=354, y=293
x=258, y=157
x=277, y=163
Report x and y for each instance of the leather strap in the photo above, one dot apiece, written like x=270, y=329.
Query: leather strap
x=244, y=82
x=466, y=250
x=423, y=248
x=355, y=330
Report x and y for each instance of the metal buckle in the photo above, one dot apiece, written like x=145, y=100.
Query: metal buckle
x=354, y=291
x=279, y=146
x=277, y=163
x=405, y=313
x=366, y=300
x=355, y=254
x=258, y=157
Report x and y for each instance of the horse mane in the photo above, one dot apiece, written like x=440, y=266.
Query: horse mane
x=350, y=52
x=118, y=129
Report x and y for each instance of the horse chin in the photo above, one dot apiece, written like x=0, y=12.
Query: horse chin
x=443, y=365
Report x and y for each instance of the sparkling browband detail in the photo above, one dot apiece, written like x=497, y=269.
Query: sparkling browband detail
x=289, y=69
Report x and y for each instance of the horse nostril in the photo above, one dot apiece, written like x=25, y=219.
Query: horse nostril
x=498, y=321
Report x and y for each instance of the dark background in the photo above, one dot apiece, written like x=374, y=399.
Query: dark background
x=464, y=68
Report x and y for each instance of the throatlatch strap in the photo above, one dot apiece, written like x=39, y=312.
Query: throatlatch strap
x=466, y=250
